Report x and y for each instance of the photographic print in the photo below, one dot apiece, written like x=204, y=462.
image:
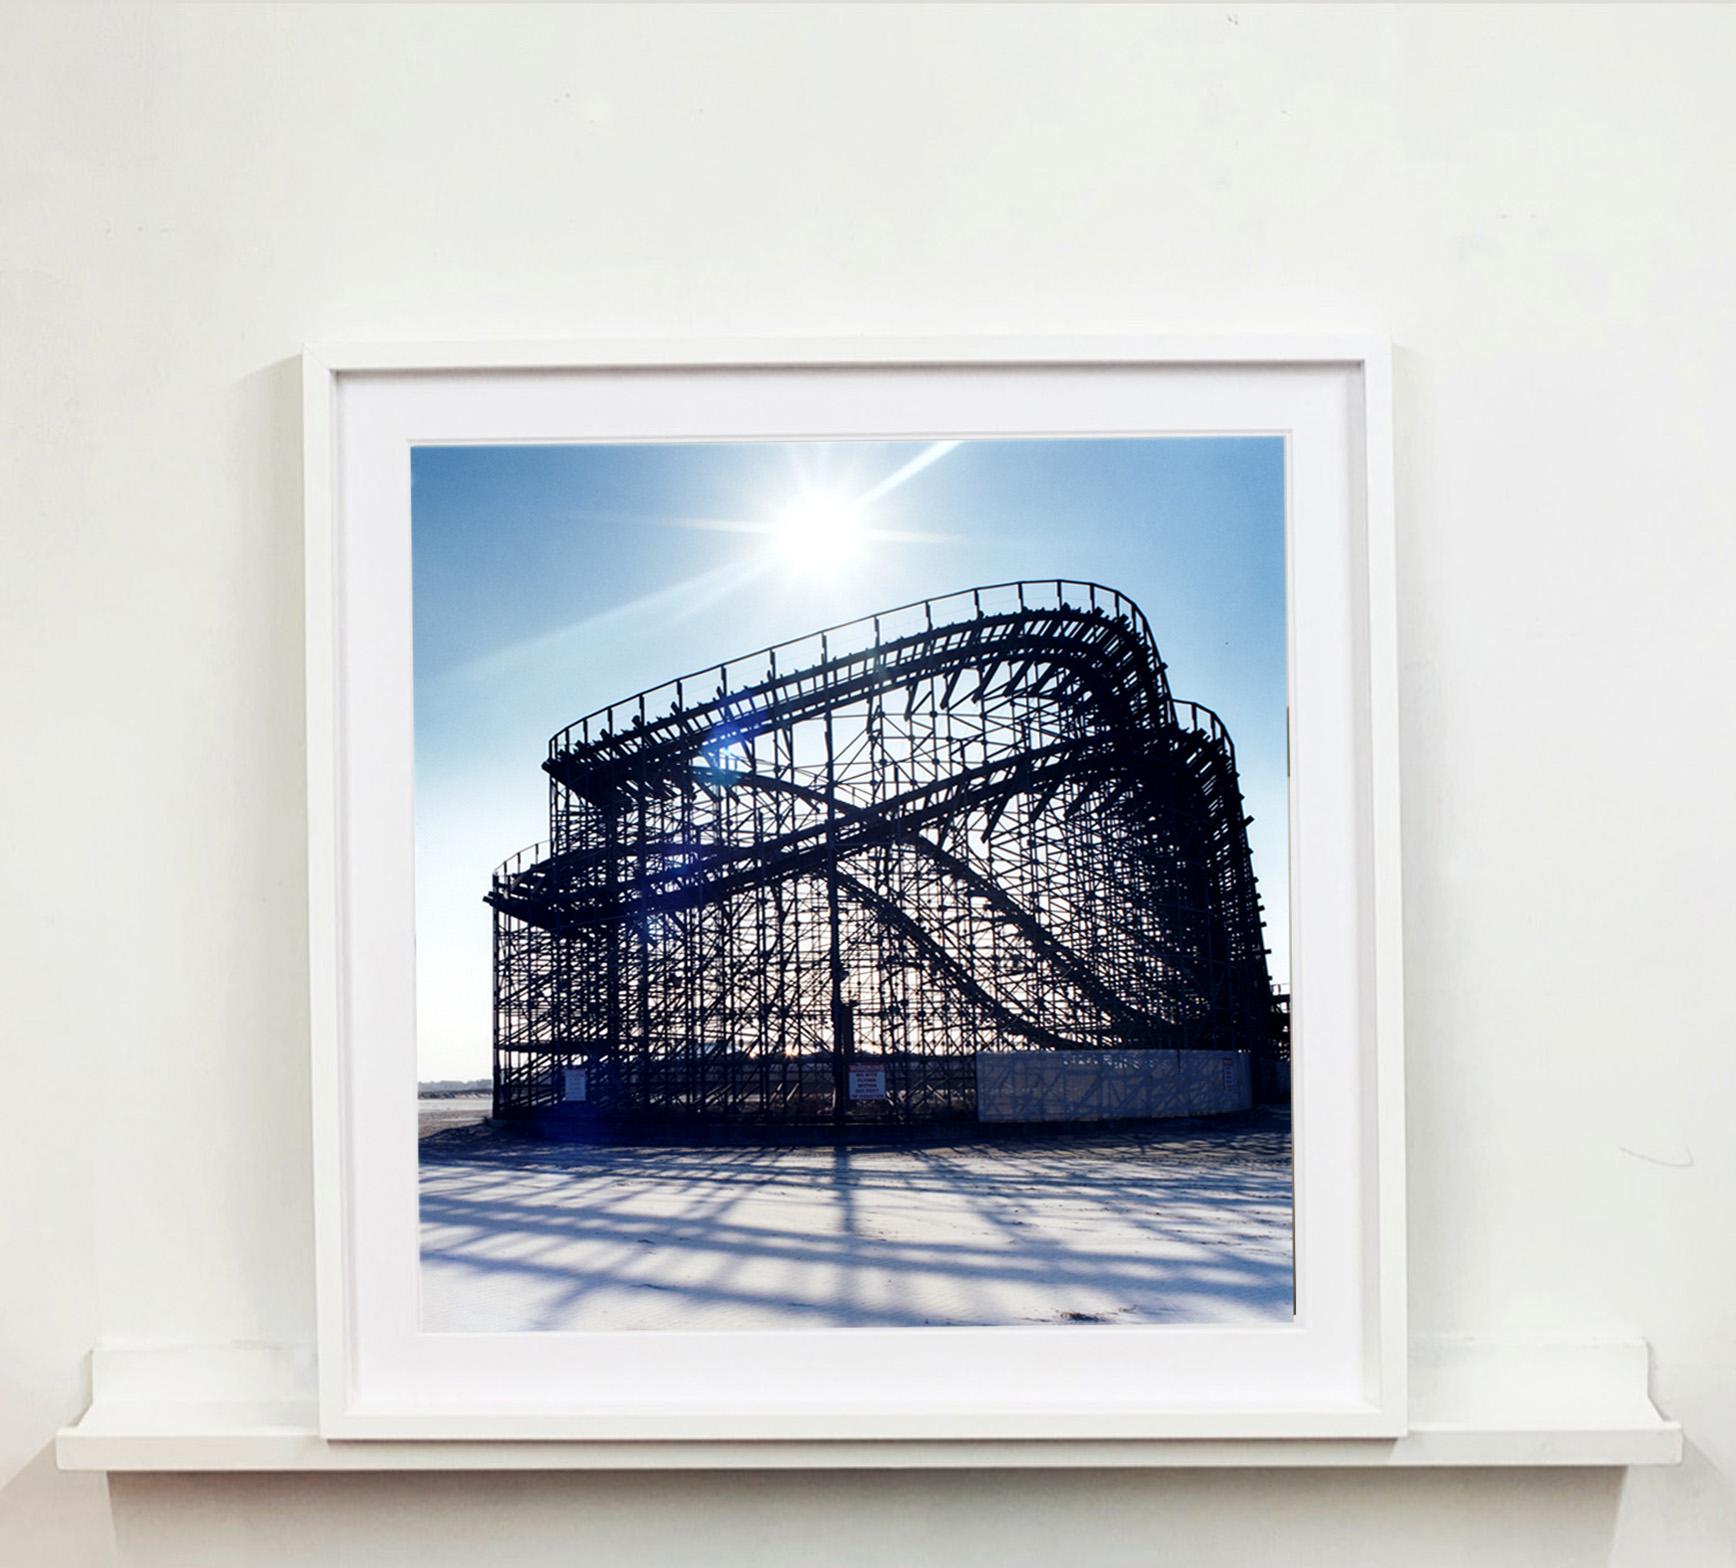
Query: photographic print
x=852, y=884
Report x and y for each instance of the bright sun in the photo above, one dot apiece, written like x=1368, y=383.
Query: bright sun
x=819, y=534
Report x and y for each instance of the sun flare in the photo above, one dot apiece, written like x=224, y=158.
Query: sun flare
x=819, y=535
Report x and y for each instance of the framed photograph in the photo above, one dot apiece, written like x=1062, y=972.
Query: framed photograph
x=855, y=893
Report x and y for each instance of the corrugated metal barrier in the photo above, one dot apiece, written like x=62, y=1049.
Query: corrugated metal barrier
x=1073, y=1086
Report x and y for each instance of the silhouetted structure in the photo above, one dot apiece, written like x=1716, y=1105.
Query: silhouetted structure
x=975, y=822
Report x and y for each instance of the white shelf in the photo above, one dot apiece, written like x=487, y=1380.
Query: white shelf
x=1473, y=1403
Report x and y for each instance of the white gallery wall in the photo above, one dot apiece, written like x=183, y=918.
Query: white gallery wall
x=1538, y=205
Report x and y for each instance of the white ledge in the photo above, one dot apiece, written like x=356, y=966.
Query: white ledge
x=1473, y=1403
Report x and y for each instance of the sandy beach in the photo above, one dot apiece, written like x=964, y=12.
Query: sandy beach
x=1174, y=1223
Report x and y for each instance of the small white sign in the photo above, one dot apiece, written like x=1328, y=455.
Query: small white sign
x=576, y=1083
x=867, y=1083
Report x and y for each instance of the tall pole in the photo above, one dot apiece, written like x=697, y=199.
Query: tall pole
x=842, y=1023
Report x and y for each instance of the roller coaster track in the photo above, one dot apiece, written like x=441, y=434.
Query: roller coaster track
x=1007, y=793
x=710, y=874
x=1089, y=655
x=1134, y=1023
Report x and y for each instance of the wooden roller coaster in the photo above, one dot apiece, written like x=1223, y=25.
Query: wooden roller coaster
x=810, y=884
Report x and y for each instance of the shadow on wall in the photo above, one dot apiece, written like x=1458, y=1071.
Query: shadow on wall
x=55, y=1519
x=868, y=1519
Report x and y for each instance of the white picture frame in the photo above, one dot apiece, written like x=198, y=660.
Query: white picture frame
x=1337, y=1371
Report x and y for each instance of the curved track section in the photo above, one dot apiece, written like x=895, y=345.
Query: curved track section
x=981, y=822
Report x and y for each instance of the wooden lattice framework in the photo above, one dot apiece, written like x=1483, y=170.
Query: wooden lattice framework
x=974, y=822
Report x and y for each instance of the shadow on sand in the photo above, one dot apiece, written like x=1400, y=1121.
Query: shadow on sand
x=1184, y=1222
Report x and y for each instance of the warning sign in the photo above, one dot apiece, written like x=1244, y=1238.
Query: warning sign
x=867, y=1083
x=576, y=1084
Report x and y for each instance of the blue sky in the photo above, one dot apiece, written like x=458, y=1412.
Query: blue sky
x=551, y=580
